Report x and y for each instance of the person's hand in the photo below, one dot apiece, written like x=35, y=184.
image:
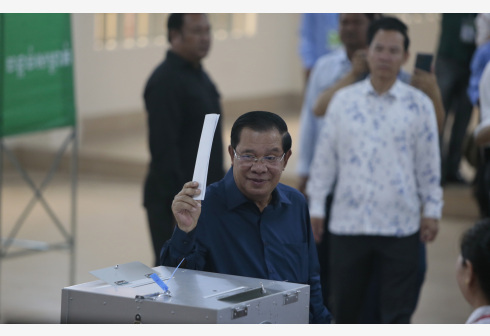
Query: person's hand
x=317, y=226
x=359, y=63
x=428, y=229
x=186, y=209
x=425, y=82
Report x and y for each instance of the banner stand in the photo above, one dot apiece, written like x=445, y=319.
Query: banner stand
x=67, y=230
x=37, y=94
x=68, y=234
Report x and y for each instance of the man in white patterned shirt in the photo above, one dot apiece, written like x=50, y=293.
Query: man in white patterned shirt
x=379, y=146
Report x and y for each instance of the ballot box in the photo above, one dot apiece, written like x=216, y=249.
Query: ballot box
x=128, y=294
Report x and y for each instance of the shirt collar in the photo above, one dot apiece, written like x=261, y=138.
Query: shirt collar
x=235, y=198
x=394, y=91
x=477, y=313
x=180, y=61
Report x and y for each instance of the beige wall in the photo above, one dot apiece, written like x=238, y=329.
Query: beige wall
x=267, y=64
x=423, y=30
x=112, y=82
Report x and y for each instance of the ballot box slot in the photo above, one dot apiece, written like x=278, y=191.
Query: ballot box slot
x=248, y=295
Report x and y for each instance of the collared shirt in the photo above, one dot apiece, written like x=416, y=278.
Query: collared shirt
x=233, y=237
x=329, y=69
x=480, y=315
x=480, y=59
x=484, y=100
x=382, y=151
x=326, y=72
x=178, y=95
x=318, y=36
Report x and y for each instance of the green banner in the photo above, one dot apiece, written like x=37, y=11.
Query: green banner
x=36, y=73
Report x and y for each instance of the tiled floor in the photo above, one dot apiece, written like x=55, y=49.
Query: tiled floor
x=111, y=229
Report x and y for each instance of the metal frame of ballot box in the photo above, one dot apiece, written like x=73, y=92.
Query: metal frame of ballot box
x=193, y=297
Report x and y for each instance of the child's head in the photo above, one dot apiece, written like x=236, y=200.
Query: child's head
x=473, y=269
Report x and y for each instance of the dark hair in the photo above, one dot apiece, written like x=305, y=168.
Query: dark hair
x=388, y=23
x=175, y=22
x=475, y=247
x=373, y=16
x=261, y=121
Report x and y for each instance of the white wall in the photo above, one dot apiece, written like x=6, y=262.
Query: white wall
x=112, y=82
x=267, y=64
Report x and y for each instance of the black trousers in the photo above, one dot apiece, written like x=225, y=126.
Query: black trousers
x=353, y=261
x=161, y=223
x=370, y=309
x=369, y=312
x=452, y=78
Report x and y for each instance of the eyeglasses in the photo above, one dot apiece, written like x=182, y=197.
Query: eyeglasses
x=269, y=160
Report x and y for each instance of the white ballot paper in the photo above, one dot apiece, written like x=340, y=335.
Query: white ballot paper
x=203, y=153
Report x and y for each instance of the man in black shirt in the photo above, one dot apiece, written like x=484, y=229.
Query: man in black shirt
x=177, y=96
x=454, y=53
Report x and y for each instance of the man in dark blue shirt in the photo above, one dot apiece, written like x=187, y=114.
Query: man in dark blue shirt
x=249, y=224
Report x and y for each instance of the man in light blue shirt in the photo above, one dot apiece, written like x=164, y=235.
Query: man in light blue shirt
x=379, y=144
x=318, y=36
x=326, y=72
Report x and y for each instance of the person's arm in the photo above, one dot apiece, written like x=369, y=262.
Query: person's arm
x=185, y=208
x=475, y=76
x=324, y=168
x=307, y=138
x=429, y=227
x=318, y=228
x=309, y=126
x=186, y=211
x=359, y=68
x=427, y=83
x=428, y=172
x=483, y=129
